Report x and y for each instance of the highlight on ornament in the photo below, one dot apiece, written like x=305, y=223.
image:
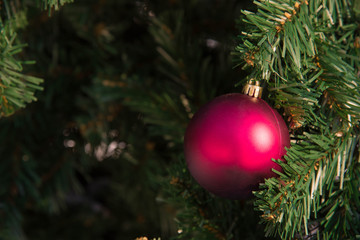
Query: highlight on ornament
x=230, y=142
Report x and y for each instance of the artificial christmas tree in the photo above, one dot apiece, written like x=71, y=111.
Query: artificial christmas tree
x=92, y=159
x=306, y=51
x=100, y=154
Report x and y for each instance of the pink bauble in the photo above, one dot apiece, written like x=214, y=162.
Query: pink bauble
x=229, y=144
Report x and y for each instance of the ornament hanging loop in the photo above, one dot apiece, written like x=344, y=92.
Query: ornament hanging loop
x=253, y=90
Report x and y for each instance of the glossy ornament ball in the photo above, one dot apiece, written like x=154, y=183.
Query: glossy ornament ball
x=229, y=144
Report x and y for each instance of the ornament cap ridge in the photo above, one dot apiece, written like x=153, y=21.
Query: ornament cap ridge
x=253, y=90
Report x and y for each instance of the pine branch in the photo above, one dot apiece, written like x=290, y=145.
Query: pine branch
x=307, y=52
x=16, y=88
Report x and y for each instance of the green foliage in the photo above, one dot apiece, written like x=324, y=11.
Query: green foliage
x=307, y=52
x=99, y=156
x=17, y=89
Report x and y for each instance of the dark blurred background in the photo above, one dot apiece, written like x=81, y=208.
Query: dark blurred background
x=99, y=155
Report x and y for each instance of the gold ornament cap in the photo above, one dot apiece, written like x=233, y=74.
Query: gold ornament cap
x=253, y=89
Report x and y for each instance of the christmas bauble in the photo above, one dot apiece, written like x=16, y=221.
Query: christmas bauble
x=230, y=142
